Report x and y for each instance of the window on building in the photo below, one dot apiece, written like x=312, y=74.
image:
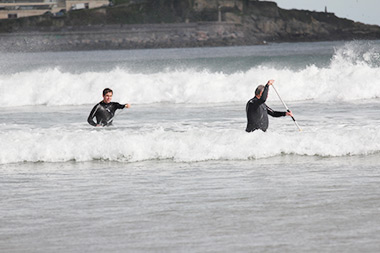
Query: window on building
x=12, y=15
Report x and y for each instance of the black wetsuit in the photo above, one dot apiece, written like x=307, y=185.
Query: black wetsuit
x=104, y=113
x=257, y=112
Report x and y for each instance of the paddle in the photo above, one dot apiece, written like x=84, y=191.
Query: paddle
x=287, y=109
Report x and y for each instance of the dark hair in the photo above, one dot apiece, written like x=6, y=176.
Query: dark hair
x=106, y=90
x=259, y=89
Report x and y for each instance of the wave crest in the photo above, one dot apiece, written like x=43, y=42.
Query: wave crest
x=57, y=145
x=352, y=74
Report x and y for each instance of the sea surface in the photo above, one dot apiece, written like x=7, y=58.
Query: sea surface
x=177, y=172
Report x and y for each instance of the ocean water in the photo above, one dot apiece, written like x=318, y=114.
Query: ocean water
x=177, y=172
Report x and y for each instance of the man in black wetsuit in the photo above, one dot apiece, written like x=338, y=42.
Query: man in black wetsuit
x=104, y=111
x=257, y=110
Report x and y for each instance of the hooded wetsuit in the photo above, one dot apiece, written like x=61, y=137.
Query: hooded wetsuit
x=104, y=113
x=257, y=112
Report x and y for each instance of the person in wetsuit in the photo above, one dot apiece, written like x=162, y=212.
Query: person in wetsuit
x=104, y=111
x=257, y=111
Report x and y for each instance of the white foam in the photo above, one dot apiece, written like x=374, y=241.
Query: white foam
x=60, y=145
x=354, y=73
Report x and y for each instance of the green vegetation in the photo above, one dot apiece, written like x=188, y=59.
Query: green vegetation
x=121, y=2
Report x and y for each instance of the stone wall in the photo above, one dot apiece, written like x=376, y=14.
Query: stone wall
x=126, y=37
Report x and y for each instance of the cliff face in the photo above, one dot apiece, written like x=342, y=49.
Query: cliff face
x=181, y=23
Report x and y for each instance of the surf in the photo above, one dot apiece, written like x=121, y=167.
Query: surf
x=189, y=145
x=352, y=74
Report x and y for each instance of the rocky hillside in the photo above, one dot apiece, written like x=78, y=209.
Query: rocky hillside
x=266, y=21
x=181, y=23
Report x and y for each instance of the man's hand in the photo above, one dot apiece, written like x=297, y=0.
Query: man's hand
x=289, y=113
x=127, y=106
x=270, y=82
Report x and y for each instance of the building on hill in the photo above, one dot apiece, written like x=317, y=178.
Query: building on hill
x=26, y=8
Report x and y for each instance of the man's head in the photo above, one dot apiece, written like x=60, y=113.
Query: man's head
x=107, y=95
x=259, y=91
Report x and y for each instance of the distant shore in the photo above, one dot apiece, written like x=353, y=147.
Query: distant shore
x=259, y=22
x=114, y=37
x=127, y=37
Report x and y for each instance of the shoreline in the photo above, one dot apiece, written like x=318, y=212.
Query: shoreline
x=141, y=36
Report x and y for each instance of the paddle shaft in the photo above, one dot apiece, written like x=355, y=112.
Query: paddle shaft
x=287, y=109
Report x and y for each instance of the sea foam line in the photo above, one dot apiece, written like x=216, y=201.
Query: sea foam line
x=59, y=145
x=353, y=74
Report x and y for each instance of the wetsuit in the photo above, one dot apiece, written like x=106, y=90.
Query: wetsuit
x=104, y=113
x=257, y=112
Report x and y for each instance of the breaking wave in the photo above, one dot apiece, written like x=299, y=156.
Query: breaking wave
x=352, y=74
x=126, y=145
